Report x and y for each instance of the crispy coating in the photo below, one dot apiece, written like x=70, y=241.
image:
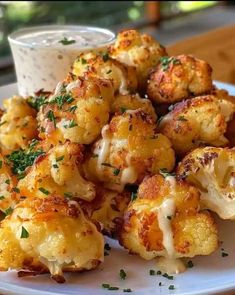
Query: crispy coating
x=132, y=102
x=123, y=77
x=58, y=172
x=8, y=194
x=77, y=111
x=107, y=209
x=198, y=121
x=35, y=238
x=138, y=50
x=18, y=125
x=180, y=77
x=212, y=170
x=130, y=149
x=193, y=232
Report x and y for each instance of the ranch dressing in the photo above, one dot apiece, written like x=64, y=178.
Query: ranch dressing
x=43, y=55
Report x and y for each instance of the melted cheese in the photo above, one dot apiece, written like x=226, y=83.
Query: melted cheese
x=104, y=149
x=73, y=85
x=170, y=265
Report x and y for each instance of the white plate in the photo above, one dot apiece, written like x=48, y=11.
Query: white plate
x=209, y=275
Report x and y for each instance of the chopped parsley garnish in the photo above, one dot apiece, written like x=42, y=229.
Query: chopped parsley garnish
x=2, y=197
x=66, y=41
x=72, y=109
x=105, y=57
x=165, y=173
x=55, y=166
x=2, y=123
x=127, y=290
x=171, y=287
x=181, y=118
x=123, y=110
x=24, y=233
x=109, y=71
x=133, y=196
x=7, y=181
x=169, y=217
x=106, y=286
x=107, y=247
x=83, y=61
x=160, y=284
x=68, y=195
x=62, y=99
x=15, y=189
x=59, y=159
x=50, y=115
x=159, y=272
x=122, y=274
x=165, y=275
x=166, y=61
x=107, y=165
x=33, y=143
x=94, y=156
x=72, y=124
x=152, y=272
x=190, y=264
x=223, y=254
x=21, y=159
x=37, y=101
x=110, y=288
x=8, y=211
x=44, y=191
x=116, y=171
x=0, y=164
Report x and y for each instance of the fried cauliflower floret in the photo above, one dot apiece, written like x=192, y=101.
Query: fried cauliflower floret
x=132, y=102
x=77, y=111
x=212, y=170
x=165, y=220
x=8, y=192
x=123, y=77
x=107, y=209
x=198, y=121
x=18, y=125
x=178, y=78
x=58, y=172
x=138, y=50
x=35, y=238
x=130, y=149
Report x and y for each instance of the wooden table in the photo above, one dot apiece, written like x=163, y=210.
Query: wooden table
x=216, y=46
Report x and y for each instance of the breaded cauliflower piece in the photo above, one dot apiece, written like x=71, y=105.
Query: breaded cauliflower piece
x=77, y=111
x=130, y=149
x=180, y=77
x=58, y=172
x=8, y=193
x=212, y=171
x=123, y=103
x=198, y=121
x=139, y=50
x=123, y=77
x=107, y=209
x=164, y=220
x=49, y=235
x=18, y=125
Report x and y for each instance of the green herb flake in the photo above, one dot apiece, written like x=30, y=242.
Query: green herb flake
x=8, y=211
x=94, y=156
x=59, y=159
x=165, y=275
x=113, y=288
x=165, y=173
x=2, y=197
x=159, y=272
x=123, y=110
x=133, y=196
x=36, y=102
x=72, y=124
x=127, y=290
x=60, y=100
x=107, y=165
x=105, y=286
x=109, y=71
x=166, y=61
x=7, y=181
x=116, y=171
x=15, y=189
x=72, y=109
x=50, y=115
x=190, y=264
x=24, y=233
x=171, y=287
x=66, y=41
x=55, y=166
x=2, y=123
x=160, y=284
x=0, y=164
x=181, y=118
x=68, y=195
x=83, y=61
x=44, y=191
x=152, y=272
x=122, y=274
x=169, y=217
x=105, y=57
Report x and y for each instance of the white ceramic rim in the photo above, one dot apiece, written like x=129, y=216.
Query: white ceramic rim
x=12, y=38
